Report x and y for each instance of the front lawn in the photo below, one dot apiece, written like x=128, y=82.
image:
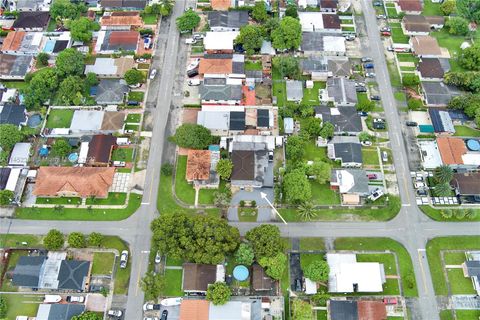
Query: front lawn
x=59, y=118
x=370, y=156
x=122, y=154
x=323, y=195
x=467, y=314
x=136, y=96
x=122, y=276
x=387, y=259
x=150, y=18
x=102, y=263
x=312, y=244
x=407, y=57
x=12, y=240
x=431, y=9
x=459, y=284
x=279, y=88
x=398, y=36
x=436, y=214
x=133, y=118
x=173, y=287
x=22, y=305
x=307, y=258
x=454, y=258
x=61, y=200
x=113, y=199
x=464, y=131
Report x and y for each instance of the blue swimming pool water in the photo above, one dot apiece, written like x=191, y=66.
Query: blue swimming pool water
x=49, y=46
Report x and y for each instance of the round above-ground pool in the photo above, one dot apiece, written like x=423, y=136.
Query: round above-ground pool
x=73, y=157
x=34, y=120
x=240, y=273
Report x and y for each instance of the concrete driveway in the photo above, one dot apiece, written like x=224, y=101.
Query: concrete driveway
x=264, y=210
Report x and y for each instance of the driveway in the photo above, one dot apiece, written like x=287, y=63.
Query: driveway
x=264, y=210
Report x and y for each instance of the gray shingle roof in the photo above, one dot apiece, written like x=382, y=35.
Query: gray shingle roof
x=59, y=311
x=221, y=92
x=348, y=152
x=342, y=90
x=15, y=66
x=72, y=274
x=111, y=91
x=314, y=64
x=294, y=90
x=27, y=271
x=344, y=119
x=438, y=93
x=228, y=19
x=343, y=310
x=12, y=114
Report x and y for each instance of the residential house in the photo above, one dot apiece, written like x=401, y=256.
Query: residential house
x=198, y=165
x=55, y=42
x=123, y=4
x=467, y=186
x=328, y=6
x=415, y=25
x=220, y=42
x=320, y=22
x=11, y=113
x=81, y=182
x=294, y=90
x=352, y=184
x=436, y=22
x=316, y=67
x=217, y=91
x=348, y=275
x=111, y=91
x=251, y=168
x=29, y=5
x=111, y=67
x=20, y=154
x=347, y=150
x=356, y=310
x=22, y=43
x=15, y=67
x=260, y=281
x=288, y=125
x=429, y=154
x=471, y=268
x=14, y=179
x=308, y=3
x=94, y=122
x=339, y=67
x=430, y=69
x=8, y=95
x=344, y=119
x=222, y=65
x=220, y=21
x=455, y=153
x=218, y=122
x=121, y=20
x=31, y=21
x=237, y=310
x=59, y=311
x=222, y=5
x=193, y=309
x=341, y=92
x=100, y=150
x=197, y=277
x=410, y=6
x=315, y=43
x=425, y=47
x=113, y=41
x=437, y=94
x=441, y=121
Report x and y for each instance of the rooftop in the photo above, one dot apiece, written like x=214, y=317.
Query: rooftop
x=32, y=20
x=350, y=181
x=294, y=90
x=59, y=311
x=260, y=281
x=430, y=68
x=100, y=148
x=122, y=18
x=220, y=40
x=425, y=46
x=111, y=91
x=438, y=93
x=344, y=119
x=342, y=90
x=215, y=66
x=222, y=5
x=348, y=152
x=198, y=165
x=194, y=309
x=111, y=67
x=466, y=183
x=220, y=92
x=430, y=155
x=20, y=154
x=197, y=277
x=14, y=66
x=135, y=4
x=228, y=19
x=410, y=5
x=343, y=310
x=11, y=113
x=120, y=40
x=416, y=23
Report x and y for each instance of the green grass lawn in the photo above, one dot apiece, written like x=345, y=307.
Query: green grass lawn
x=253, y=65
x=12, y=240
x=454, y=258
x=459, y=284
x=321, y=314
x=133, y=118
x=173, y=286
x=134, y=127
x=312, y=244
x=392, y=13
x=387, y=259
x=400, y=96
x=323, y=195
x=314, y=153
x=114, y=198
x=435, y=214
x=362, y=97
x=446, y=315
x=20, y=85
x=308, y=258
x=150, y=18
x=279, y=88
x=370, y=156
x=247, y=214
x=143, y=66
x=403, y=68
x=122, y=276
x=398, y=36
x=174, y=262
x=61, y=200
x=448, y=41
x=80, y=214
x=381, y=244
x=464, y=131
x=136, y=96
x=102, y=262
x=59, y=118
x=394, y=75
x=431, y=9
x=122, y=154
x=310, y=96
x=467, y=314
x=22, y=305
x=445, y=243
x=52, y=25
x=407, y=57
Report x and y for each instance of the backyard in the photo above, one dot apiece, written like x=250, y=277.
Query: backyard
x=122, y=154
x=22, y=304
x=465, y=131
x=398, y=36
x=173, y=287
x=102, y=263
x=59, y=118
x=310, y=96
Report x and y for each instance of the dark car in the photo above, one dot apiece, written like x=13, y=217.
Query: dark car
x=133, y=103
x=192, y=73
x=411, y=123
x=360, y=89
x=376, y=98
x=164, y=315
x=422, y=192
x=298, y=285
x=362, y=113
x=368, y=65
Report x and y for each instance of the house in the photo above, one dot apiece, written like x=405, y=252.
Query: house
x=237, y=310
x=218, y=122
x=217, y=91
x=251, y=168
x=198, y=165
x=436, y=22
x=441, y=121
x=31, y=21
x=352, y=184
x=344, y=119
x=20, y=154
x=294, y=90
x=308, y=3
x=328, y=5
x=430, y=69
x=55, y=42
x=100, y=150
x=437, y=94
x=193, y=309
x=260, y=281
x=220, y=42
x=267, y=48
x=348, y=275
x=52, y=271
x=197, y=277
x=222, y=65
x=321, y=44
x=320, y=22
x=467, y=186
x=429, y=154
x=339, y=67
x=222, y=5
x=8, y=95
x=121, y=20
x=425, y=47
x=30, y=5
x=410, y=6
x=113, y=41
x=347, y=150
x=96, y=122
x=81, y=182
x=11, y=113
x=123, y=4
x=415, y=25
x=21, y=42
x=111, y=91
x=15, y=67
x=14, y=179
x=288, y=125
x=220, y=21
x=59, y=311
x=471, y=268
x=341, y=91
x=356, y=310
x=316, y=67
x=111, y=67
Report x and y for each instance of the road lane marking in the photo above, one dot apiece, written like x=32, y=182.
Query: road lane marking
x=406, y=204
x=145, y=203
x=420, y=257
x=406, y=190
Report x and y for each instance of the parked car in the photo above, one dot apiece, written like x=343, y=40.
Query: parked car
x=119, y=163
x=385, y=29
x=360, y=89
x=198, y=36
x=115, y=313
x=418, y=178
x=141, y=60
x=384, y=156
x=194, y=64
x=366, y=143
x=372, y=176
x=158, y=257
x=124, y=259
x=350, y=37
x=147, y=42
x=133, y=103
x=370, y=75
x=377, y=4
x=422, y=192
x=368, y=65
x=419, y=185
x=153, y=73
x=192, y=73
x=381, y=16
x=150, y=318
x=151, y=306
x=390, y=49
x=367, y=59
x=164, y=315
x=270, y=156
x=376, y=98
x=411, y=123
x=171, y=302
x=386, y=33
x=52, y=298
x=190, y=41
x=194, y=82
x=362, y=113
x=377, y=193
x=390, y=300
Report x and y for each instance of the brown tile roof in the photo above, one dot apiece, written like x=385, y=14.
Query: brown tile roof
x=113, y=120
x=466, y=183
x=410, y=5
x=220, y=4
x=198, y=165
x=331, y=21
x=435, y=20
x=122, y=18
x=100, y=148
x=194, y=310
x=124, y=64
x=197, y=277
x=451, y=150
x=260, y=281
x=243, y=165
x=215, y=66
x=13, y=40
x=31, y=19
x=371, y=310
x=124, y=37
x=416, y=23
x=328, y=4
x=430, y=68
x=425, y=45
x=75, y=181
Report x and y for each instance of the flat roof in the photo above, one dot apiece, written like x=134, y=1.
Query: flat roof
x=430, y=154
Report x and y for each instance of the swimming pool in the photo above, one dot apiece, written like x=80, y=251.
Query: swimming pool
x=48, y=48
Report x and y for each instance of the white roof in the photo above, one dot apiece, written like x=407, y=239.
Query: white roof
x=471, y=158
x=310, y=286
x=82, y=155
x=311, y=21
x=288, y=125
x=267, y=48
x=102, y=66
x=9, y=93
x=345, y=180
x=334, y=44
x=13, y=179
x=269, y=140
x=430, y=155
x=20, y=154
x=220, y=40
x=87, y=120
x=232, y=310
x=214, y=120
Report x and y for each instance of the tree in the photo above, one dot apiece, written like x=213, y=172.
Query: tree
x=224, y=168
x=244, y=254
x=222, y=197
x=259, y=12
x=410, y=80
x=470, y=57
x=41, y=88
x=442, y=190
x=188, y=21
x=61, y=148
x=295, y=148
x=469, y=9
x=291, y=11
x=250, y=37
x=459, y=214
x=288, y=35
x=364, y=136
x=469, y=103
x=296, y=187
x=312, y=127
x=321, y=170
x=77, y=240
x=3, y=307
x=199, y=239
x=321, y=298
x=65, y=9
x=307, y=211
x=134, y=76
x=270, y=25
x=95, y=239
x=43, y=57
x=414, y=104
x=365, y=105
x=81, y=29
x=301, y=310
x=88, y=315
x=6, y=197
x=317, y=271
x=457, y=26
x=70, y=62
x=192, y=136
x=443, y=174
x=448, y=7
x=327, y=130
x=9, y=136
x=164, y=7
x=219, y=293
x=54, y=240
x=288, y=66
x=153, y=285
x=274, y=266
x=446, y=214
x=70, y=89
x=167, y=169
x=90, y=80
x=265, y=240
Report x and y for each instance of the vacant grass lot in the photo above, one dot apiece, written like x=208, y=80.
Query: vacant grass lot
x=464, y=131
x=102, y=262
x=12, y=240
x=314, y=153
x=173, y=286
x=398, y=36
x=59, y=118
x=22, y=305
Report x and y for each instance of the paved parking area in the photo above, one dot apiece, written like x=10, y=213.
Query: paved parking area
x=120, y=182
x=264, y=209
x=466, y=302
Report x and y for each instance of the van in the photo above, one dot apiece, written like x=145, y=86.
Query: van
x=147, y=42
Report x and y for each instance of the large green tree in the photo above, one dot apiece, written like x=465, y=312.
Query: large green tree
x=259, y=11
x=270, y=25
x=6, y=196
x=95, y=239
x=251, y=38
x=470, y=57
x=327, y=131
x=70, y=62
x=467, y=80
x=54, y=240
x=448, y=7
x=219, y=293
x=295, y=148
x=192, y=136
x=274, y=266
x=469, y=9
x=224, y=168
x=9, y=136
x=200, y=239
x=265, y=240
x=81, y=29
x=288, y=66
x=291, y=11
x=244, y=254
x=88, y=315
x=457, y=26
x=301, y=310
x=134, y=76
x=296, y=187
x=312, y=126
x=71, y=90
x=288, y=35
x=41, y=88
x=188, y=21
x=317, y=271
x=65, y=9
x=153, y=285
x=77, y=240
x=321, y=170
x=442, y=190
x=61, y=147
x=410, y=80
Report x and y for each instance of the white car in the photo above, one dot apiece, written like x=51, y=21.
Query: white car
x=158, y=257
x=171, y=302
x=194, y=82
x=384, y=156
x=419, y=185
x=115, y=313
x=141, y=60
x=366, y=143
x=78, y=299
x=377, y=193
x=150, y=318
x=190, y=41
x=370, y=75
x=194, y=64
x=153, y=73
x=123, y=259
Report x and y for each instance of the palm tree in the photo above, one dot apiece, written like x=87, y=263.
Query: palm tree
x=442, y=190
x=307, y=211
x=166, y=7
x=443, y=174
x=447, y=213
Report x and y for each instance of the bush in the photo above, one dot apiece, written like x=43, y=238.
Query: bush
x=219, y=293
x=167, y=169
x=241, y=203
x=95, y=239
x=410, y=80
x=77, y=240
x=317, y=270
x=244, y=254
x=3, y=307
x=192, y=136
x=54, y=240
x=414, y=104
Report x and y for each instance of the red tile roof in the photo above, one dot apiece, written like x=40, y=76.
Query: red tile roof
x=371, y=310
x=198, y=165
x=122, y=18
x=215, y=66
x=124, y=37
x=410, y=5
x=220, y=4
x=194, y=310
x=451, y=150
x=13, y=40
